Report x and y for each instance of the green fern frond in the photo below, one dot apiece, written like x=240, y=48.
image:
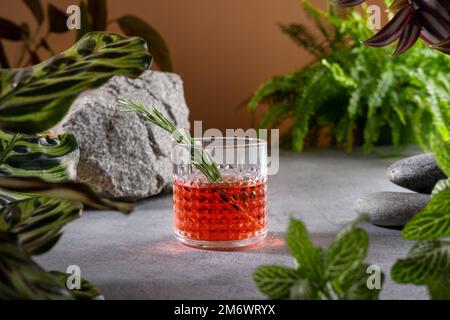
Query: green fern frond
x=339, y=74
x=280, y=85
x=436, y=108
x=301, y=35
x=377, y=97
x=320, y=18
x=276, y=114
x=361, y=93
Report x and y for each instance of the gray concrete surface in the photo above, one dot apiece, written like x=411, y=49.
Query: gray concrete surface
x=136, y=257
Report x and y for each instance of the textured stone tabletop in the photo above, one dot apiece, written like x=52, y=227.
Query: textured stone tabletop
x=136, y=257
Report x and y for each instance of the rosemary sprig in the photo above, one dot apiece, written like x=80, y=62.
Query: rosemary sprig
x=199, y=157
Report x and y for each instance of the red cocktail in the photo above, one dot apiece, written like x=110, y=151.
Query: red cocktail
x=220, y=211
x=220, y=203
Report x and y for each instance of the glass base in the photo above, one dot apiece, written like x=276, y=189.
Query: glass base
x=221, y=245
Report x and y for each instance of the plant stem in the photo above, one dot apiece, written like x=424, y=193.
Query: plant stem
x=22, y=55
x=4, y=63
x=200, y=158
x=9, y=147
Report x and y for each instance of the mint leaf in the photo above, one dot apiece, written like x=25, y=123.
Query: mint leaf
x=441, y=151
x=439, y=286
x=303, y=289
x=307, y=256
x=352, y=285
x=275, y=281
x=433, y=221
x=347, y=251
x=425, y=260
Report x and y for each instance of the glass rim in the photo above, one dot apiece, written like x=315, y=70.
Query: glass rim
x=243, y=142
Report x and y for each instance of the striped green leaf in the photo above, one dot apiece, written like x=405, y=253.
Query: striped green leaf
x=34, y=99
x=303, y=289
x=433, y=221
x=52, y=158
x=21, y=278
x=439, y=286
x=275, y=281
x=346, y=252
x=71, y=191
x=38, y=222
x=426, y=260
x=441, y=151
x=308, y=257
x=352, y=284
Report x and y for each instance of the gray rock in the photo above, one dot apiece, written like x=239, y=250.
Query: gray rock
x=418, y=173
x=391, y=209
x=123, y=155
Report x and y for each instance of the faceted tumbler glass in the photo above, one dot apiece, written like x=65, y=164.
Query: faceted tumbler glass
x=226, y=214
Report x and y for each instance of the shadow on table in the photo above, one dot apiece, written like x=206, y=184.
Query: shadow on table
x=273, y=244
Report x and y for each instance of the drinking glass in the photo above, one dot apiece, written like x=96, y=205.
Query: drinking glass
x=225, y=214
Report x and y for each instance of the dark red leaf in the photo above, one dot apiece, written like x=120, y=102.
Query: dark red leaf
x=437, y=8
x=409, y=36
x=443, y=46
x=434, y=27
x=392, y=30
x=398, y=5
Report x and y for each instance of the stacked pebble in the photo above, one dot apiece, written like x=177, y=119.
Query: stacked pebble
x=394, y=209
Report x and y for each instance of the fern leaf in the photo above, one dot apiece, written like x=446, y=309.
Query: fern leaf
x=384, y=85
x=300, y=34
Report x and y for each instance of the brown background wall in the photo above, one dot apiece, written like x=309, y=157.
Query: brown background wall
x=223, y=49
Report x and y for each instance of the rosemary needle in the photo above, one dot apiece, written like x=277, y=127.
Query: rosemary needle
x=199, y=157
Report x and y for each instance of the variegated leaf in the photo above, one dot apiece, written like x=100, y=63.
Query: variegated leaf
x=276, y=281
x=71, y=191
x=352, y=284
x=38, y=222
x=426, y=260
x=21, y=278
x=52, y=158
x=34, y=99
x=347, y=251
x=439, y=286
x=433, y=221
